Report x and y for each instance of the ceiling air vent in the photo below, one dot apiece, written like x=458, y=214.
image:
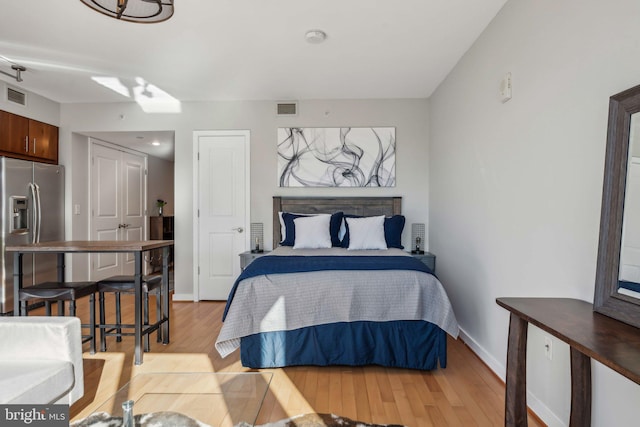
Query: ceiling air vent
x=16, y=96
x=287, y=108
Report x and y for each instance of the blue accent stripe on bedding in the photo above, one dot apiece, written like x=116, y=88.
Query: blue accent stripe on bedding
x=296, y=264
x=402, y=344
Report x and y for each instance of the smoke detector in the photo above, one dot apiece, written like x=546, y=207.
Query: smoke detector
x=315, y=36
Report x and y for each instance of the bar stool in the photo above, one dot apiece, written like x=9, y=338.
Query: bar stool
x=60, y=292
x=126, y=285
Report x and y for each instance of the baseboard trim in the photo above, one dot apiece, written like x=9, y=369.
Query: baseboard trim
x=492, y=363
x=536, y=408
x=183, y=297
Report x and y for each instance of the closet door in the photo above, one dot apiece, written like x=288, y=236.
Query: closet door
x=133, y=204
x=118, y=197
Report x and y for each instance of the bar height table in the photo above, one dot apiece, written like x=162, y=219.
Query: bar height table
x=104, y=246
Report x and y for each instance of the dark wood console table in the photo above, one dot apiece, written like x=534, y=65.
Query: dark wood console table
x=589, y=334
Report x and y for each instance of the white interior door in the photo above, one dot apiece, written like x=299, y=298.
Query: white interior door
x=223, y=204
x=118, y=198
x=134, y=200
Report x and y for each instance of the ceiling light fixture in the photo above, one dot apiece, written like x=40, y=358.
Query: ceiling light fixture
x=315, y=36
x=146, y=11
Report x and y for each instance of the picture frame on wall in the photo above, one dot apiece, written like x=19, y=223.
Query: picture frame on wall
x=337, y=157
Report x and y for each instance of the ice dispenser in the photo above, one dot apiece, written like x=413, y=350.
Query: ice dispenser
x=19, y=214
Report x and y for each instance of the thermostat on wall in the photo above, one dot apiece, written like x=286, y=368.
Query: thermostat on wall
x=505, y=88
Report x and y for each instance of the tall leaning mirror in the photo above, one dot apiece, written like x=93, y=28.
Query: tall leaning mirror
x=617, y=291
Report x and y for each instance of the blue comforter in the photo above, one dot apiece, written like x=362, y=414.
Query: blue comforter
x=297, y=264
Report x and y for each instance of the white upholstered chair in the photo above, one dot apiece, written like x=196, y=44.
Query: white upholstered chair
x=40, y=360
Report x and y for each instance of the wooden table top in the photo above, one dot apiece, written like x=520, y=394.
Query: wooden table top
x=72, y=246
x=609, y=341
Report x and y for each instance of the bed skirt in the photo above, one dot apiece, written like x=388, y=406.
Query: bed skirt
x=401, y=344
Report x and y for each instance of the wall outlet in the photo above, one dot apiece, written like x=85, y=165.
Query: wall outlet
x=548, y=348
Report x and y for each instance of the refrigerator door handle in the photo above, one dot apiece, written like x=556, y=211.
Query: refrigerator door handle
x=39, y=213
x=34, y=224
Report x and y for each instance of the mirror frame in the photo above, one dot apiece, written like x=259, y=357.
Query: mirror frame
x=607, y=300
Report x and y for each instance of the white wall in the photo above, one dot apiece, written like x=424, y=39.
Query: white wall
x=76, y=160
x=516, y=187
x=408, y=116
x=37, y=107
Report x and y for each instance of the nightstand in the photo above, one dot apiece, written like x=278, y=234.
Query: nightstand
x=247, y=258
x=428, y=259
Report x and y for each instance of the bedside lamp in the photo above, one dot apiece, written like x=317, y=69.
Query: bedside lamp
x=417, y=238
x=257, y=242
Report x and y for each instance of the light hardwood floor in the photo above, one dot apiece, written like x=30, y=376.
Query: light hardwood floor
x=466, y=393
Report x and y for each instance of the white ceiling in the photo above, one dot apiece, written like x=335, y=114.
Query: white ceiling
x=241, y=49
x=141, y=141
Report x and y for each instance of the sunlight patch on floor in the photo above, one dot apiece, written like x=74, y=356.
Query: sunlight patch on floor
x=119, y=368
x=174, y=362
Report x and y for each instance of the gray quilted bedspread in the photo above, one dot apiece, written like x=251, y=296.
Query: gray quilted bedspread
x=279, y=302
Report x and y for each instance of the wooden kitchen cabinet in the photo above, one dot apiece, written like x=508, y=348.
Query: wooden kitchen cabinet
x=28, y=139
x=44, y=141
x=14, y=133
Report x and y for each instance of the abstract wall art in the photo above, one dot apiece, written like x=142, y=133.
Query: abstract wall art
x=337, y=157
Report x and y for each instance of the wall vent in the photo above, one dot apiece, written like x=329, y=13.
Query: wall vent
x=16, y=96
x=287, y=108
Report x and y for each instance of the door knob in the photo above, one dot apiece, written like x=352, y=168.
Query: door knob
x=238, y=229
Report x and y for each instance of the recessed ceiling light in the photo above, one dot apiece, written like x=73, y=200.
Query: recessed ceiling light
x=315, y=36
x=156, y=143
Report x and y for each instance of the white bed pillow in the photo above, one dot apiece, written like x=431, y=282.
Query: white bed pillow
x=366, y=233
x=312, y=232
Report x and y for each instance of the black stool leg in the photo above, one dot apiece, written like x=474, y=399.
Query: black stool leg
x=92, y=323
x=103, y=339
x=47, y=305
x=60, y=308
x=145, y=299
x=118, y=318
x=159, y=313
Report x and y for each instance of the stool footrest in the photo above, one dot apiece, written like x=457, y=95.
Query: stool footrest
x=119, y=285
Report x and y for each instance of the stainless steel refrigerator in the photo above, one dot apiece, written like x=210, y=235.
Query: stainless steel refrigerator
x=32, y=196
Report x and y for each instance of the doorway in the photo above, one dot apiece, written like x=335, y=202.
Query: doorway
x=222, y=199
x=118, y=201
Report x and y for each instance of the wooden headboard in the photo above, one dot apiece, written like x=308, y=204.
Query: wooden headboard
x=364, y=206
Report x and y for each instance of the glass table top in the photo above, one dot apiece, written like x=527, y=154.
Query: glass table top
x=216, y=399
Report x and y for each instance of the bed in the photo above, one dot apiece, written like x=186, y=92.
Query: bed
x=342, y=303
